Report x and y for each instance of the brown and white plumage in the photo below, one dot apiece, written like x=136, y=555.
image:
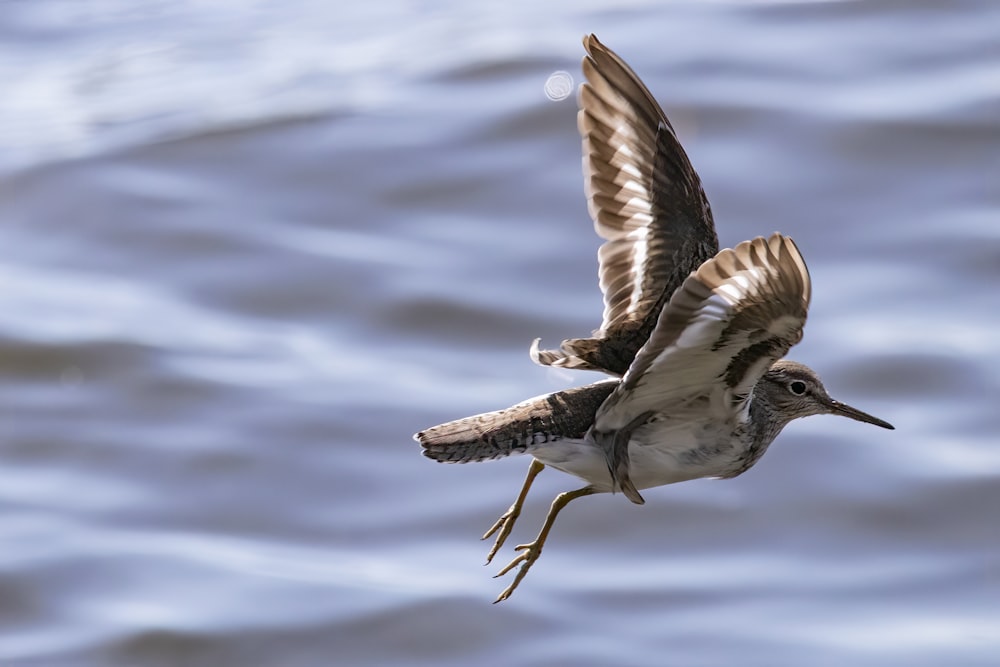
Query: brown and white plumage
x=517, y=429
x=697, y=334
x=645, y=199
x=722, y=329
x=730, y=320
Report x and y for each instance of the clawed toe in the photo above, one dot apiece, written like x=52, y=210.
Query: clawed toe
x=504, y=525
x=529, y=554
x=506, y=522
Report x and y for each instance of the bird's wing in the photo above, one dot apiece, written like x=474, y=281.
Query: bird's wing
x=736, y=315
x=646, y=201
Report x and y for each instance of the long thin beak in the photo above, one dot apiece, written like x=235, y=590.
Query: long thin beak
x=844, y=410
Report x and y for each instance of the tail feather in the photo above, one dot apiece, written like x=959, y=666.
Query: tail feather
x=493, y=435
x=478, y=438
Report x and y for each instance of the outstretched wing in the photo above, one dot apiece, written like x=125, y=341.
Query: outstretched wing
x=646, y=201
x=738, y=314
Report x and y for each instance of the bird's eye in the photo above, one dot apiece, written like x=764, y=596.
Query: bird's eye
x=798, y=387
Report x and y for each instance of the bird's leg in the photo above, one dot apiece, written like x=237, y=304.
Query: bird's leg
x=531, y=551
x=618, y=459
x=506, y=521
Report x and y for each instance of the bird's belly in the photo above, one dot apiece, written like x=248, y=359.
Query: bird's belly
x=664, y=453
x=651, y=466
x=658, y=454
x=580, y=458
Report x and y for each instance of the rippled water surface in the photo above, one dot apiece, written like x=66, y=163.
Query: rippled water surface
x=247, y=249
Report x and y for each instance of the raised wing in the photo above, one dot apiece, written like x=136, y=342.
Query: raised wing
x=735, y=316
x=723, y=328
x=738, y=314
x=646, y=201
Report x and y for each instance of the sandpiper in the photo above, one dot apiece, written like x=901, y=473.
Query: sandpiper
x=696, y=334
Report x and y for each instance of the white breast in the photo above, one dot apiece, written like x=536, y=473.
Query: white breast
x=661, y=452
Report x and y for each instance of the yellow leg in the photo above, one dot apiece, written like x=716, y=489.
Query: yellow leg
x=506, y=522
x=530, y=552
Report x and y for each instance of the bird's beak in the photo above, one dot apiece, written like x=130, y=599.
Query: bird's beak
x=844, y=410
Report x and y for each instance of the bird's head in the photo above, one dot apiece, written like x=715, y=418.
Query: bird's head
x=795, y=390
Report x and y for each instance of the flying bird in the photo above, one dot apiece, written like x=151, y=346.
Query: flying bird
x=693, y=336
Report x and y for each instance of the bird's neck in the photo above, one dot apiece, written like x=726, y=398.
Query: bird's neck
x=766, y=420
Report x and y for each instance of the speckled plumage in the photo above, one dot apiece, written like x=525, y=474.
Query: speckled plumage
x=696, y=334
x=520, y=428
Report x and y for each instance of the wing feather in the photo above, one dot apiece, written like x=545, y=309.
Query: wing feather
x=736, y=315
x=646, y=201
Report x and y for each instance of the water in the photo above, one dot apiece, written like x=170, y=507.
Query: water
x=249, y=248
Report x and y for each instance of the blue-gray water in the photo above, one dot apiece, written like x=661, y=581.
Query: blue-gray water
x=247, y=249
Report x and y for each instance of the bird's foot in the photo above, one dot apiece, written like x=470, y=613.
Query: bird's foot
x=529, y=554
x=531, y=551
x=506, y=521
x=504, y=525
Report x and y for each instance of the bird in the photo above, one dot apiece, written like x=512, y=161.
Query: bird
x=692, y=337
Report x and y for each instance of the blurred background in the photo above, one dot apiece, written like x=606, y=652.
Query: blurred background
x=248, y=248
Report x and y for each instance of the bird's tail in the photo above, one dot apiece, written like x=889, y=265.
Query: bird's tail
x=493, y=435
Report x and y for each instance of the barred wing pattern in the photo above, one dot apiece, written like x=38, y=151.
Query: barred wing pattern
x=646, y=201
x=738, y=314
